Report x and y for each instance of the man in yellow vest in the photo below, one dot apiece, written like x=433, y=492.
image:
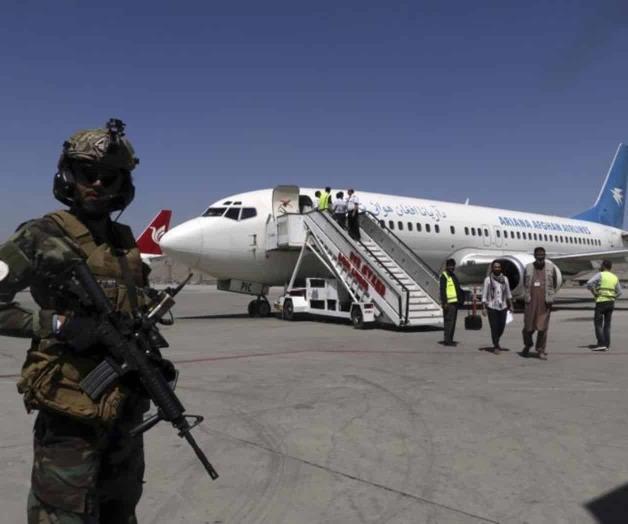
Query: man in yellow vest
x=451, y=297
x=324, y=202
x=605, y=288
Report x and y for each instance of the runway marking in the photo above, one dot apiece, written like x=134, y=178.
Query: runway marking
x=378, y=352
x=438, y=351
x=352, y=477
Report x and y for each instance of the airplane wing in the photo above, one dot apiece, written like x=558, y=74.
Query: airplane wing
x=578, y=262
x=473, y=267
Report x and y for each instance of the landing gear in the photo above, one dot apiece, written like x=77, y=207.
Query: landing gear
x=259, y=307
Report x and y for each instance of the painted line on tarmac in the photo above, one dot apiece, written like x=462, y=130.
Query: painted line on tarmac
x=351, y=477
x=369, y=352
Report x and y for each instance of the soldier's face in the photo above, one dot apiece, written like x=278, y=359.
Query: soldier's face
x=95, y=187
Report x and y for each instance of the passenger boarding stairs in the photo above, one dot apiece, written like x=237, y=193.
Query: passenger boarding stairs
x=379, y=268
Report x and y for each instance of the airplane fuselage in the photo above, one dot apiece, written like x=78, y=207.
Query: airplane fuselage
x=227, y=245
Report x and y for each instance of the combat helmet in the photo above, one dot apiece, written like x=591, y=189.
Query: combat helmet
x=107, y=147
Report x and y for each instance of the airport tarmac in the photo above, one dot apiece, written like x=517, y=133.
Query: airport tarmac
x=313, y=422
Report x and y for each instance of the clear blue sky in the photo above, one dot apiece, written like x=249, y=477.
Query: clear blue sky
x=512, y=104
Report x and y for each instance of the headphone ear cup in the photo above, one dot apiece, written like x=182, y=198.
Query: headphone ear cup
x=63, y=186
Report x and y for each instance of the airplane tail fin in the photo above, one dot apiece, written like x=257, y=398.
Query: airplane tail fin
x=610, y=204
x=148, y=241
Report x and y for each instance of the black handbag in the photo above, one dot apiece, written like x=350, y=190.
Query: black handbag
x=473, y=321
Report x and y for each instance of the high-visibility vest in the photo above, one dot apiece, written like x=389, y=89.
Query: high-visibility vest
x=323, y=202
x=606, y=290
x=452, y=294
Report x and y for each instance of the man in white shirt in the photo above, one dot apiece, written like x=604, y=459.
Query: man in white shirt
x=339, y=209
x=353, y=209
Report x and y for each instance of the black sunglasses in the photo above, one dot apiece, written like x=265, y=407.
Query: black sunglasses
x=90, y=174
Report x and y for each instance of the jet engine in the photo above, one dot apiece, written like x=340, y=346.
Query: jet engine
x=513, y=266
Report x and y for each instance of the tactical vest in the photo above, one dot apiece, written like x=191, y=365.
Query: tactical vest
x=452, y=294
x=52, y=371
x=606, y=291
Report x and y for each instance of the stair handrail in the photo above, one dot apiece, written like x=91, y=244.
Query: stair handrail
x=408, y=251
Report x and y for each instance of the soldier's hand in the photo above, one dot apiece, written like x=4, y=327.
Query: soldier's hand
x=79, y=331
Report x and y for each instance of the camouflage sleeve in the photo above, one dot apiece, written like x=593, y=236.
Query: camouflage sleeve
x=24, y=257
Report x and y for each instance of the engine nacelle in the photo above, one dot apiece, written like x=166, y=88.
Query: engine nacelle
x=513, y=266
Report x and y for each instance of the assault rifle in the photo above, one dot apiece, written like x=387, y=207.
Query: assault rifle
x=133, y=343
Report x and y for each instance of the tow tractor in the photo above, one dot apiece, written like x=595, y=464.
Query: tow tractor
x=323, y=297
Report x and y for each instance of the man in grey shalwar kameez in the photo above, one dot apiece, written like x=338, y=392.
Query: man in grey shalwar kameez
x=540, y=284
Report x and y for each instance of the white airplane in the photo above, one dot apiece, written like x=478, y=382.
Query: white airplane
x=228, y=240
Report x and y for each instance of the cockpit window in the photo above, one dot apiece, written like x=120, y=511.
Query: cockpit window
x=228, y=202
x=233, y=213
x=248, y=212
x=238, y=203
x=214, y=212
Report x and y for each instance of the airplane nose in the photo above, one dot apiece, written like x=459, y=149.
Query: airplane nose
x=184, y=242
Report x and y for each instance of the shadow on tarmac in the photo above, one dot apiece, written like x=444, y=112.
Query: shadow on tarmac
x=611, y=507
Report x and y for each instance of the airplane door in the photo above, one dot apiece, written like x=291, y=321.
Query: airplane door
x=497, y=237
x=285, y=200
x=486, y=235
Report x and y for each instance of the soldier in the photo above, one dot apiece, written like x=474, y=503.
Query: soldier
x=86, y=468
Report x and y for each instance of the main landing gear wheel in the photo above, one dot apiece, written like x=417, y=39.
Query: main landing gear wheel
x=263, y=308
x=288, y=310
x=259, y=308
x=356, y=318
x=253, y=308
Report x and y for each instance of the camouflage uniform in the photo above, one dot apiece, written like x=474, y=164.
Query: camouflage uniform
x=86, y=468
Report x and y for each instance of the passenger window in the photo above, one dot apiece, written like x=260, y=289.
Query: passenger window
x=437, y=228
x=214, y=212
x=524, y=236
x=391, y=224
x=518, y=235
x=472, y=231
x=382, y=223
x=418, y=227
x=427, y=228
x=512, y=234
x=232, y=213
x=248, y=212
x=409, y=226
x=452, y=229
x=466, y=231
x=545, y=235
x=498, y=233
x=400, y=225
x=486, y=232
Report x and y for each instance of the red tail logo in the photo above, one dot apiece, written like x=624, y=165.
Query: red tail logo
x=148, y=241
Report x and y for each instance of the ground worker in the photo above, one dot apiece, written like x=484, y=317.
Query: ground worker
x=605, y=287
x=451, y=298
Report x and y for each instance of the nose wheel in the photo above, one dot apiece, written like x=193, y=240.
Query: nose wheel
x=259, y=307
